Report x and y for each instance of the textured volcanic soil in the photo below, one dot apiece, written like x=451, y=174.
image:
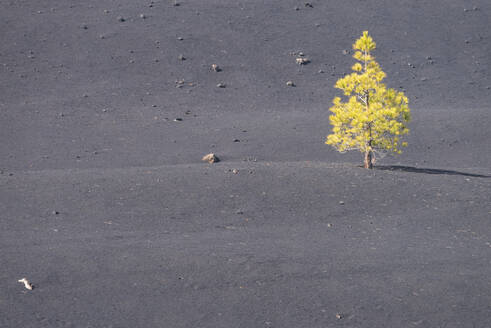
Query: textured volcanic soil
x=106, y=207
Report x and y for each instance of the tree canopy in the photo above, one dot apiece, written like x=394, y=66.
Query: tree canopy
x=372, y=117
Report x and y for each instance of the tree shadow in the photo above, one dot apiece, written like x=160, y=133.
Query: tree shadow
x=427, y=171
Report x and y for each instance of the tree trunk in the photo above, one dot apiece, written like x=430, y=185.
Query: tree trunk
x=368, y=160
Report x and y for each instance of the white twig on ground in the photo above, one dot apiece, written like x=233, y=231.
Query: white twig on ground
x=26, y=283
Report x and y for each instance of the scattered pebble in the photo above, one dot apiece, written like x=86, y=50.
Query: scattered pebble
x=221, y=85
x=210, y=158
x=121, y=19
x=345, y=52
x=235, y=171
x=178, y=119
x=180, y=38
x=215, y=68
x=290, y=83
x=143, y=16
x=26, y=283
x=309, y=5
x=181, y=57
x=339, y=316
x=302, y=61
x=55, y=212
x=296, y=8
x=341, y=202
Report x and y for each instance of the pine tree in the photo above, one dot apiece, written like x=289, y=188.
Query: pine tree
x=373, y=118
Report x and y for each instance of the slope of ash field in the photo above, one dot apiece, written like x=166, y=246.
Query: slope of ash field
x=109, y=214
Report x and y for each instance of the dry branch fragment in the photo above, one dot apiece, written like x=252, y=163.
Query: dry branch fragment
x=26, y=283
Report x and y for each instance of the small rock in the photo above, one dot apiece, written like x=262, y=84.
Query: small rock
x=339, y=316
x=302, y=61
x=235, y=171
x=55, y=212
x=181, y=57
x=221, y=85
x=121, y=19
x=296, y=8
x=178, y=119
x=341, y=202
x=290, y=83
x=180, y=38
x=236, y=140
x=215, y=68
x=176, y=4
x=345, y=52
x=143, y=16
x=211, y=158
x=308, y=4
x=320, y=71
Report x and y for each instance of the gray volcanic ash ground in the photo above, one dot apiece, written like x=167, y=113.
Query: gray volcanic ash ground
x=107, y=209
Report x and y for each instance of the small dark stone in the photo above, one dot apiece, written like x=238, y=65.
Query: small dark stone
x=121, y=19
x=221, y=85
x=55, y=212
x=181, y=57
x=178, y=119
x=308, y=4
x=236, y=140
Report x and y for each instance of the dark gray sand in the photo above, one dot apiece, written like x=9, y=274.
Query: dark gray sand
x=107, y=209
